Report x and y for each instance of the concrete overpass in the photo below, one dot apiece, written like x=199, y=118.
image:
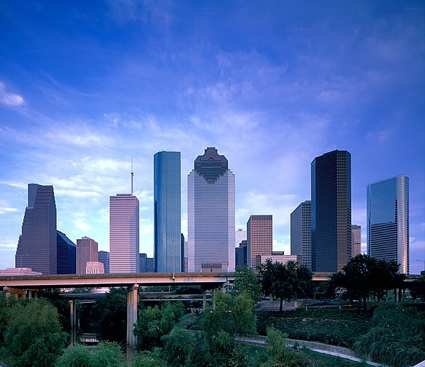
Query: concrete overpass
x=30, y=283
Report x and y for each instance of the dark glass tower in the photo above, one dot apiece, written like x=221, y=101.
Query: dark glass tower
x=167, y=212
x=331, y=211
x=66, y=254
x=104, y=259
x=37, y=245
x=301, y=232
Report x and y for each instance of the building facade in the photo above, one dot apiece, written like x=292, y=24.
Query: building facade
x=301, y=233
x=356, y=240
x=240, y=235
x=123, y=233
x=94, y=267
x=37, y=245
x=104, y=259
x=167, y=212
x=259, y=231
x=66, y=252
x=211, y=214
x=331, y=211
x=388, y=221
x=241, y=255
x=86, y=252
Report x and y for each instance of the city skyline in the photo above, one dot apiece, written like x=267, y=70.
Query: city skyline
x=88, y=118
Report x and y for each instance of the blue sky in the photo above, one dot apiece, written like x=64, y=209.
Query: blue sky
x=85, y=86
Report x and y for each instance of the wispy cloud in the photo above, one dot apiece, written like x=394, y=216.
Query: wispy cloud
x=10, y=99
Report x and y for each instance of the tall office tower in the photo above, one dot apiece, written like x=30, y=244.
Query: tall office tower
x=167, y=212
x=123, y=233
x=182, y=251
x=356, y=240
x=104, y=259
x=66, y=254
x=241, y=255
x=211, y=214
x=388, y=221
x=260, y=238
x=301, y=233
x=86, y=251
x=240, y=235
x=331, y=211
x=37, y=245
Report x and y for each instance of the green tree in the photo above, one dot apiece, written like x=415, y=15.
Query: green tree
x=285, y=282
x=417, y=288
x=246, y=281
x=364, y=276
x=103, y=355
x=279, y=354
x=153, y=323
x=178, y=347
x=34, y=336
x=230, y=313
x=148, y=359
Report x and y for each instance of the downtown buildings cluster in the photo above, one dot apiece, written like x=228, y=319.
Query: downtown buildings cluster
x=322, y=235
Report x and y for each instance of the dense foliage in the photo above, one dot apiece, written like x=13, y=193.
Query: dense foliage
x=155, y=322
x=329, y=326
x=397, y=337
x=32, y=335
x=232, y=314
x=365, y=276
x=246, y=281
x=103, y=355
x=285, y=282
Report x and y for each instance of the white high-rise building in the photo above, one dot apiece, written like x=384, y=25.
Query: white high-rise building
x=240, y=235
x=211, y=214
x=124, y=233
x=388, y=221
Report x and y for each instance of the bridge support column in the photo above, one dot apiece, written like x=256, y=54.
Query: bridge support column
x=73, y=321
x=132, y=303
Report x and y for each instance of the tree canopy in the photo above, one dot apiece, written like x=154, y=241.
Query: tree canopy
x=285, y=281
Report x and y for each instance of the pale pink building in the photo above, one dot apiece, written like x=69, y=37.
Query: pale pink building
x=124, y=233
x=86, y=251
x=94, y=267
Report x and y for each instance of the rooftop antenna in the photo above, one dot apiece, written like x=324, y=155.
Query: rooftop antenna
x=132, y=176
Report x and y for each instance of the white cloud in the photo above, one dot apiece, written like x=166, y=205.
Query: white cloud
x=9, y=99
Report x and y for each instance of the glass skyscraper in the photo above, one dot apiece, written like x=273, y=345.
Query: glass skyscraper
x=167, y=212
x=66, y=252
x=388, y=221
x=211, y=214
x=331, y=211
x=301, y=232
x=37, y=245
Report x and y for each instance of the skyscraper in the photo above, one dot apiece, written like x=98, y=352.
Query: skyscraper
x=86, y=252
x=259, y=238
x=331, y=211
x=167, y=212
x=104, y=259
x=123, y=233
x=356, y=240
x=240, y=235
x=211, y=214
x=37, y=245
x=66, y=254
x=388, y=221
x=301, y=233
x=241, y=255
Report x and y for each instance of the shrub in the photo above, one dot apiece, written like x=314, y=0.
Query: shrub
x=33, y=336
x=397, y=337
x=148, y=359
x=103, y=355
x=178, y=347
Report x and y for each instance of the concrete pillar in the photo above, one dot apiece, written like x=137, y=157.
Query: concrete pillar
x=132, y=303
x=73, y=321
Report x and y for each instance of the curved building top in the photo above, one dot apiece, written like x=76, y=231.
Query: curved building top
x=211, y=165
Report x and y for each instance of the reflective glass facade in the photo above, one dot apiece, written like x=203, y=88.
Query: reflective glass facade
x=66, y=253
x=211, y=214
x=37, y=245
x=301, y=232
x=388, y=221
x=167, y=212
x=331, y=211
